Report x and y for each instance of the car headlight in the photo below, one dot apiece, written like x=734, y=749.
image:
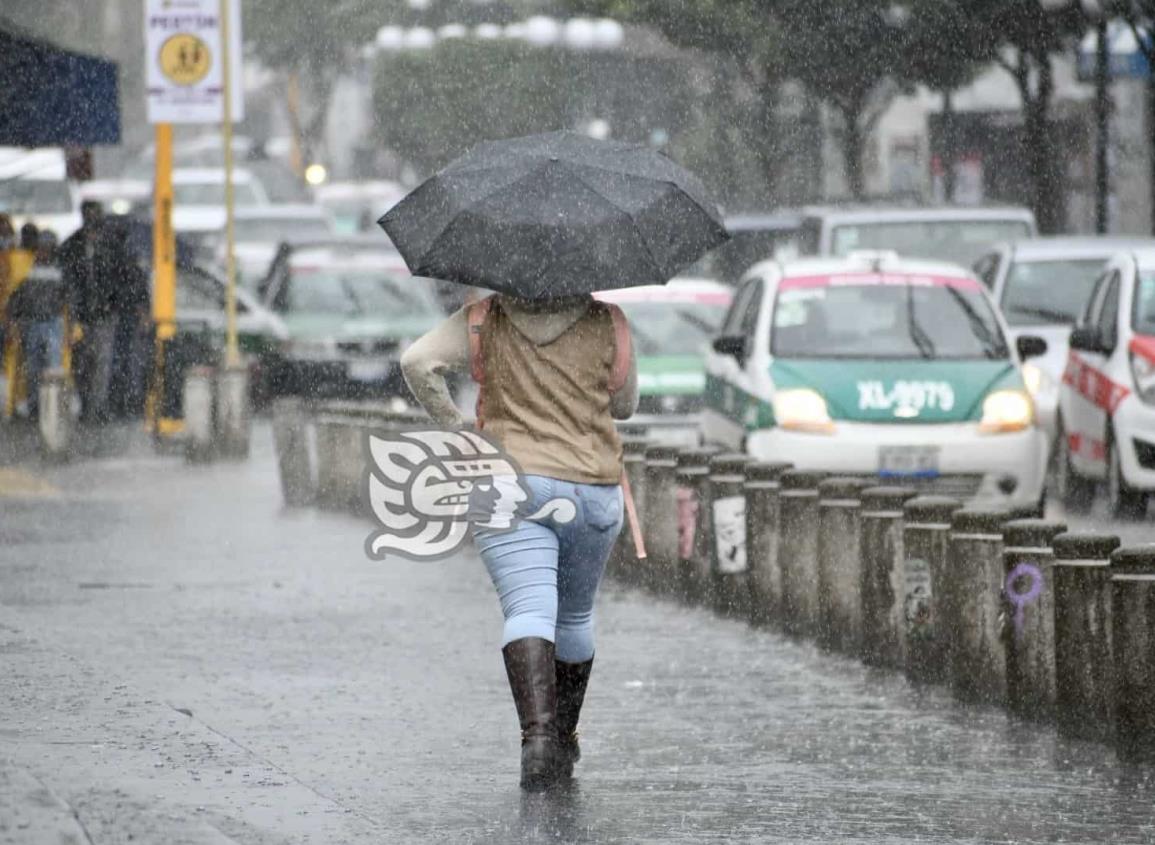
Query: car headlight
x=802, y=409
x=1143, y=371
x=1007, y=410
x=1037, y=380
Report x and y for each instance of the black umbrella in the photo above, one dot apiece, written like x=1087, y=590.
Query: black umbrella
x=555, y=215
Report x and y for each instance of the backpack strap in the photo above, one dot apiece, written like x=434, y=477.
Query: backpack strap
x=475, y=318
x=623, y=347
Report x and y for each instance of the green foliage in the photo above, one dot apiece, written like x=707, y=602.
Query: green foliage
x=432, y=105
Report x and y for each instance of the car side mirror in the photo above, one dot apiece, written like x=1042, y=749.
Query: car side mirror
x=732, y=345
x=1030, y=346
x=1086, y=339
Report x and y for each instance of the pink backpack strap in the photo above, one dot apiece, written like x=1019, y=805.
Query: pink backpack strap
x=623, y=347
x=475, y=318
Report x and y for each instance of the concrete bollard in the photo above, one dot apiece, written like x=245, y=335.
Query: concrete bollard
x=973, y=589
x=729, y=584
x=1133, y=646
x=925, y=541
x=691, y=479
x=798, y=549
x=839, y=564
x=232, y=417
x=883, y=581
x=660, y=517
x=199, y=413
x=55, y=415
x=294, y=459
x=1029, y=616
x=623, y=562
x=1084, y=677
x=762, y=524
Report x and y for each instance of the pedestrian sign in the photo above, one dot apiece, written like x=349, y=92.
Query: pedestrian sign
x=185, y=71
x=185, y=59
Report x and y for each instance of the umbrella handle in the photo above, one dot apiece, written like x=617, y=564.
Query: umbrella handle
x=632, y=515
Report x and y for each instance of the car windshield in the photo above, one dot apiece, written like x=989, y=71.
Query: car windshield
x=273, y=229
x=932, y=321
x=959, y=241
x=213, y=193
x=34, y=196
x=357, y=291
x=673, y=328
x=1144, y=312
x=1048, y=292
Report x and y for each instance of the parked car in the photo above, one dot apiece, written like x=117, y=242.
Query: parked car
x=198, y=207
x=958, y=235
x=672, y=326
x=1042, y=286
x=258, y=230
x=34, y=188
x=753, y=238
x=878, y=366
x=351, y=308
x=356, y=206
x=1107, y=398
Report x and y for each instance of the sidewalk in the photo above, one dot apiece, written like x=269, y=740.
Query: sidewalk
x=190, y=663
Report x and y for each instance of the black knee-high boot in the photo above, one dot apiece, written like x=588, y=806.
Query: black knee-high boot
x=529, y=662
x=572, y=679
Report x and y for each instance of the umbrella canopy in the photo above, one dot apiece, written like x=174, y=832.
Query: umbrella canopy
x=556, y=215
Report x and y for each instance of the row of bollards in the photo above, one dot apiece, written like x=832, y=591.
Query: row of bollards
x=1055, y=626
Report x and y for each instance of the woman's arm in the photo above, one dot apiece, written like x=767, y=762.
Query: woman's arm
x=624, y=403
x=424, y=364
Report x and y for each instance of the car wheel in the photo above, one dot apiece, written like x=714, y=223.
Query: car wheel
x=1124, y=502
x=1075, y=492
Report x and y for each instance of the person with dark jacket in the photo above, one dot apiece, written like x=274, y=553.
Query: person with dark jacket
x=36, y=309
x=98, y=267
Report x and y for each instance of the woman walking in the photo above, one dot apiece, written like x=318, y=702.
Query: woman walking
x=553, y=376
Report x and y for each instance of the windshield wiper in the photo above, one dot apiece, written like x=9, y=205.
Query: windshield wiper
x=917, y=333
x=992, y=347
x=1049, y=314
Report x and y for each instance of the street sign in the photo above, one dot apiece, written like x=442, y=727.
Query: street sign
x=185, y=68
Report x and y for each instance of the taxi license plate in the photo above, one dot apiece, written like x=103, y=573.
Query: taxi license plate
x=908, y=461
x=368, y=370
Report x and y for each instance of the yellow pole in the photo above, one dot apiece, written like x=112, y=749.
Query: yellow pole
x=163, y=269
x=232, y=354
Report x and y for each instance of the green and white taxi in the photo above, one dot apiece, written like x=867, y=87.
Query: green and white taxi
x=881, y=367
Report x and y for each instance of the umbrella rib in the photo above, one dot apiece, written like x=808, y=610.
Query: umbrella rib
x=628, y=216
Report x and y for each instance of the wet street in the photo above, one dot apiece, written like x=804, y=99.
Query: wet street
x=188, y=662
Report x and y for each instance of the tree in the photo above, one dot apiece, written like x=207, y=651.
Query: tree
x=944, y=49
x=310, y=43
x=1029, y=34
x=851, y=56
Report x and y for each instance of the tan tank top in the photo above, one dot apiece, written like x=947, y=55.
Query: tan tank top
x=548, y=406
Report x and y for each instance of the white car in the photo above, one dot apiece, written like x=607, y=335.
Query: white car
x=356, y=206
x=259, y=230
x=1042, y=286
x=198, y=205
x=1107, y=399
x=957, y=234
x=881, y=367
x=34, y=188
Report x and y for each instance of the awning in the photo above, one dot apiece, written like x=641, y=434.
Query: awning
x=1125, y=58
x=50, y=97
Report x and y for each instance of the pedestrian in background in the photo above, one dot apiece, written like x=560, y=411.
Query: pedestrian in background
x=553, y=375
x=18, y=259
x=97, y=267
x=36, y=310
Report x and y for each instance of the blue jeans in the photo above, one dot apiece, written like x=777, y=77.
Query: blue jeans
x=42, y=346
x=547, y=573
